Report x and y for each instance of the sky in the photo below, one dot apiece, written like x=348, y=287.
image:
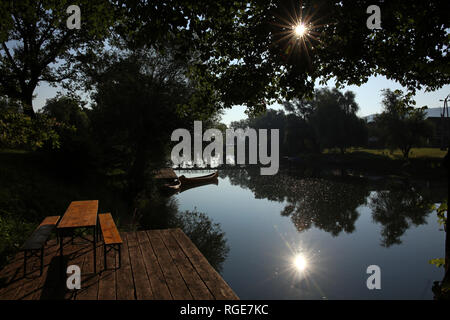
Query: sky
x=368, y=97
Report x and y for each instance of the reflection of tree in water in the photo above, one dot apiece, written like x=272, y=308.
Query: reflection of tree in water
x=397, y=209
x=207, y=236
x=161, y=212
x=324, y=203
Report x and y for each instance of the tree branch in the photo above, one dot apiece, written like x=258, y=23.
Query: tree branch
x=10, y=58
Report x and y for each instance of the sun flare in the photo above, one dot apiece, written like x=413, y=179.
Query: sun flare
x=297, y=30
x=300, y=30
x=300, y=262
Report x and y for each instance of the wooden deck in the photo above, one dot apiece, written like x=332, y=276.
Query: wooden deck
x=156, y=264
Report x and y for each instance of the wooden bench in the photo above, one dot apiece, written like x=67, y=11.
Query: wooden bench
x=36, y=242
x=110, y=235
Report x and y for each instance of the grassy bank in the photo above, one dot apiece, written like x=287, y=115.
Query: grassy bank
x=415, y=153
x=423, y=162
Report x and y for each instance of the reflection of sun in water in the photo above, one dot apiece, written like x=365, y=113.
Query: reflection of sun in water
x=301, y=265
x=300, y=262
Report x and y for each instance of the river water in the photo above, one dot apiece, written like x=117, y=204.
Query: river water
x=304, y=236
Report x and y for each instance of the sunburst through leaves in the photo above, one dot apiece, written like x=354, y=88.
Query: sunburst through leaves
x=298, y=28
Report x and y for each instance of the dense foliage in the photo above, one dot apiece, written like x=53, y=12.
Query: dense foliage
x=328, y=120
x=402, y=125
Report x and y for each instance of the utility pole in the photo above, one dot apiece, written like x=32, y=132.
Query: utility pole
x=444, y=124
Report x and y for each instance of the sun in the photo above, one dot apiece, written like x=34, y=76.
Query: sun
x=297, y=29
x=300, y=30
x=300, y=262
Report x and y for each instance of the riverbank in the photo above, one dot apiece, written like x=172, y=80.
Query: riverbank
x=424, y=163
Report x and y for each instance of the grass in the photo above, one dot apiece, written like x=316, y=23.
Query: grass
x=422, y=162
x=415, y=153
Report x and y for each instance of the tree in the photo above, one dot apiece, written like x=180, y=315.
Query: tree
x=66, y=109
x=332, y=115
x=246, y=51
x=77, y=148
x=402, y=125
x=19, y=131
x=37, y=45
x=251, y=55
x=137, y=98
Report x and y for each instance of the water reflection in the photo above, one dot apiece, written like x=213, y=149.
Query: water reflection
x=397, y=209
x=331, y=203
x=302, y=236
x=300, y=262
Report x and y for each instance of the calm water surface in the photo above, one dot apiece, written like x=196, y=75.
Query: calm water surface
x=292, y=237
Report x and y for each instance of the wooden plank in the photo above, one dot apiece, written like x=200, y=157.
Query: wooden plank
x=141, y=282
x=79, y=257
x=80, y=214
x=156, y=277
x=51, y=220
x=208, y=274
x=89, y=280
x=12, y=275
x=107, y=282
x=195, y=285
x=109, y=230
x=124, y=277
x=16, y=287
x=54, y=285
x=175, y=282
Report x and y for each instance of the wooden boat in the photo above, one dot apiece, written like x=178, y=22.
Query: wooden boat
x=172, y=186
x=185, y=187
x=198, y=180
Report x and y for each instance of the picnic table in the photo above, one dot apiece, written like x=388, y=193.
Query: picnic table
x=79, y=214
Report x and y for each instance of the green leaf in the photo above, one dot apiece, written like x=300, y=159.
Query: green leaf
x=440, y=262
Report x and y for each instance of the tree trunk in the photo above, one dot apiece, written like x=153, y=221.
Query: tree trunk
x=27, y=102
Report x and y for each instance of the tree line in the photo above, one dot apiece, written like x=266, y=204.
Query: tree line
x=329, y=120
